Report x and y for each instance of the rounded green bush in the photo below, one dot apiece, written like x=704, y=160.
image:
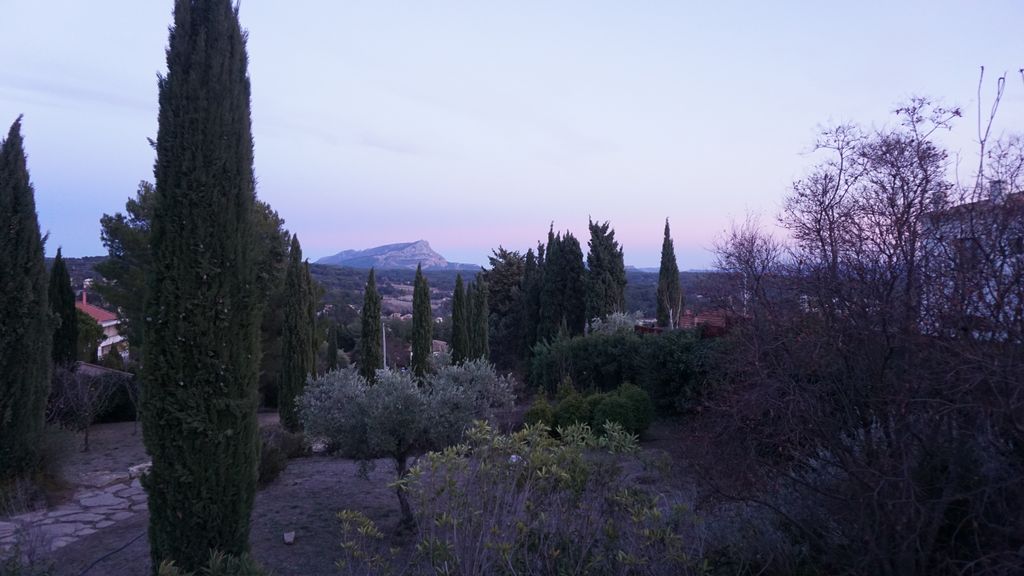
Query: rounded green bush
x=539, y=413
x=614, y=409
x=593, y=401
x=640, y=403
x=572, y=409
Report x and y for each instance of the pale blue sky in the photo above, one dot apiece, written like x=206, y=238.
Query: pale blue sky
x=473, y=124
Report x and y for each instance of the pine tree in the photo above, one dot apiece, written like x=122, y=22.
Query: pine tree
x=25, y=327
x=480, y=327
x=62, y=304
x=422, y=325
x=606, y=273
x=371, y=352
x=202, y=325
x=670, y=295
x=296, y=338
x=505, y=298
x=460, y=328
x=332, y=349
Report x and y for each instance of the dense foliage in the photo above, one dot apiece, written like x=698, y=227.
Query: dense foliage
x=671, y=367
x=202, y=326
x=460, y=323
x=25, y=324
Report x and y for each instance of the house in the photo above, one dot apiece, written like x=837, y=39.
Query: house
x=113, y=341
x=976, y=250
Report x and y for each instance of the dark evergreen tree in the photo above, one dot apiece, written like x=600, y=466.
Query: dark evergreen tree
x=480, y=327
x=332, y=348
x=312, y=300
x=202, y=327
x=606, y=273
x=422, y=325
x=552, y=290
x=533, y=270
x=371, y=347
x=62, y=305
x=25, y=326
x=297, y=338
x=670, y=294
x=126, y=237
x=574, y=284
x=505, y=297
x=460, y=327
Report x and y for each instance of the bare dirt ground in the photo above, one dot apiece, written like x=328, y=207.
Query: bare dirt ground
x=305, y=499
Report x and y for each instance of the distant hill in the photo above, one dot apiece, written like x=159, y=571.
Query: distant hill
x=404, y=256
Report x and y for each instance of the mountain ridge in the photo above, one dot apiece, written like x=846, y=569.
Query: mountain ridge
x=398, y=256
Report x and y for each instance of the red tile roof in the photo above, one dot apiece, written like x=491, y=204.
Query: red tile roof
x=98, y=314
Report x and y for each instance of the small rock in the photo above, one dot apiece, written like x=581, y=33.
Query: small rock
x=104, y=524
x=139, y=469
x=289, y=538
x=121, y=516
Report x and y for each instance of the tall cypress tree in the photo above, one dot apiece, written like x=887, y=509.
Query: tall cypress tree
x=531, y=297
x=332, y=348
x=460, y=328
x=312, y=300
x=606, y=273
x=670, y=295
x=62, y=304
x=371, y=352
x=574, y=285
x=552, y=290
x=202, y=321
x=25, y=328
x=296, y=338
x=480, y=327
x=422, y=325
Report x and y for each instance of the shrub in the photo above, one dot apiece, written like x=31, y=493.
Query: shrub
x=397, y=419
x=614, y=409
x=277, y=446
x=672, y=367
x=592, y=402
x=528, y=503
x=640, y=404
x=219, y=564
x=572, y=409
x=540, y=413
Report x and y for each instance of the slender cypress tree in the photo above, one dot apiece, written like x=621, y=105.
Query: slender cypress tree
x=296, y=338
x=202, y=323
x=62, y=304
x=312, y=298
x=531, y=297
x=574, y=285
x=332, y=349
x=552, y=290
x=480, y=328
x=25, y=329
x=422, y=325
x=460, y=328
x=472, y=352
x=606, y=273
x=371, y=352
x=670, y=295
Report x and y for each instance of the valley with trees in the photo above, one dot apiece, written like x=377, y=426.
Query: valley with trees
x=843, y=393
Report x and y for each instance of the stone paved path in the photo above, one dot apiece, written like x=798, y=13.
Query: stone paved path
x=117, y=498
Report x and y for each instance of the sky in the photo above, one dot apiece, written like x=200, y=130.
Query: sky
x=476, y=124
